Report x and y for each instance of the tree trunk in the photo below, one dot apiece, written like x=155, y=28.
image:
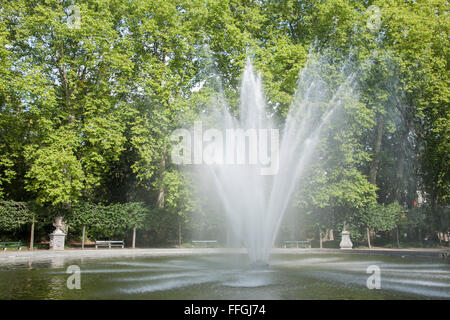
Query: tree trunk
x=392, y=238
x=376, y=154
x=373, y=170
x=83, y=237
x=160, y=199
x=398, y=239
x=32, y=235
x=134, y=238
x=179, y=234
x=320, y=238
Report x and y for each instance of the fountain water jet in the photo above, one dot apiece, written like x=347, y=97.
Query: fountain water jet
x=254, y=204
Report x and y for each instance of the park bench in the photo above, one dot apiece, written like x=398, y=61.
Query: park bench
x=203, y=242
x=109, y=243
x=298, y=244
x=5, y=245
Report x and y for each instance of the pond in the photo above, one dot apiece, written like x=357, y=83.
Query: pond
x=229, y=276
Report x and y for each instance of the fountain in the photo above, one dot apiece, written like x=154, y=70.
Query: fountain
x=254, y=182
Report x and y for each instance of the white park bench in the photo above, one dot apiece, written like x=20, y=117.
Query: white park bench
x=109, y=243
x=298, y=244
x=204, y=242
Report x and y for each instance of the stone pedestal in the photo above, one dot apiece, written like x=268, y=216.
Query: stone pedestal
x=57, y=239
x=346, y=243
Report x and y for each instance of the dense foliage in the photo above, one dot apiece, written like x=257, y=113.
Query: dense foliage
x=14, y=215
x=88, y=102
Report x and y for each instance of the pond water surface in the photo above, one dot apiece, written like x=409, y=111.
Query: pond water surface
x=220, y=276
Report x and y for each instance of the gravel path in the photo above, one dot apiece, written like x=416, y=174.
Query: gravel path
x=45, y=255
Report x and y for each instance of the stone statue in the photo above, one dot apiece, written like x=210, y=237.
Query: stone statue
x=58, y=236
x=59, y=225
